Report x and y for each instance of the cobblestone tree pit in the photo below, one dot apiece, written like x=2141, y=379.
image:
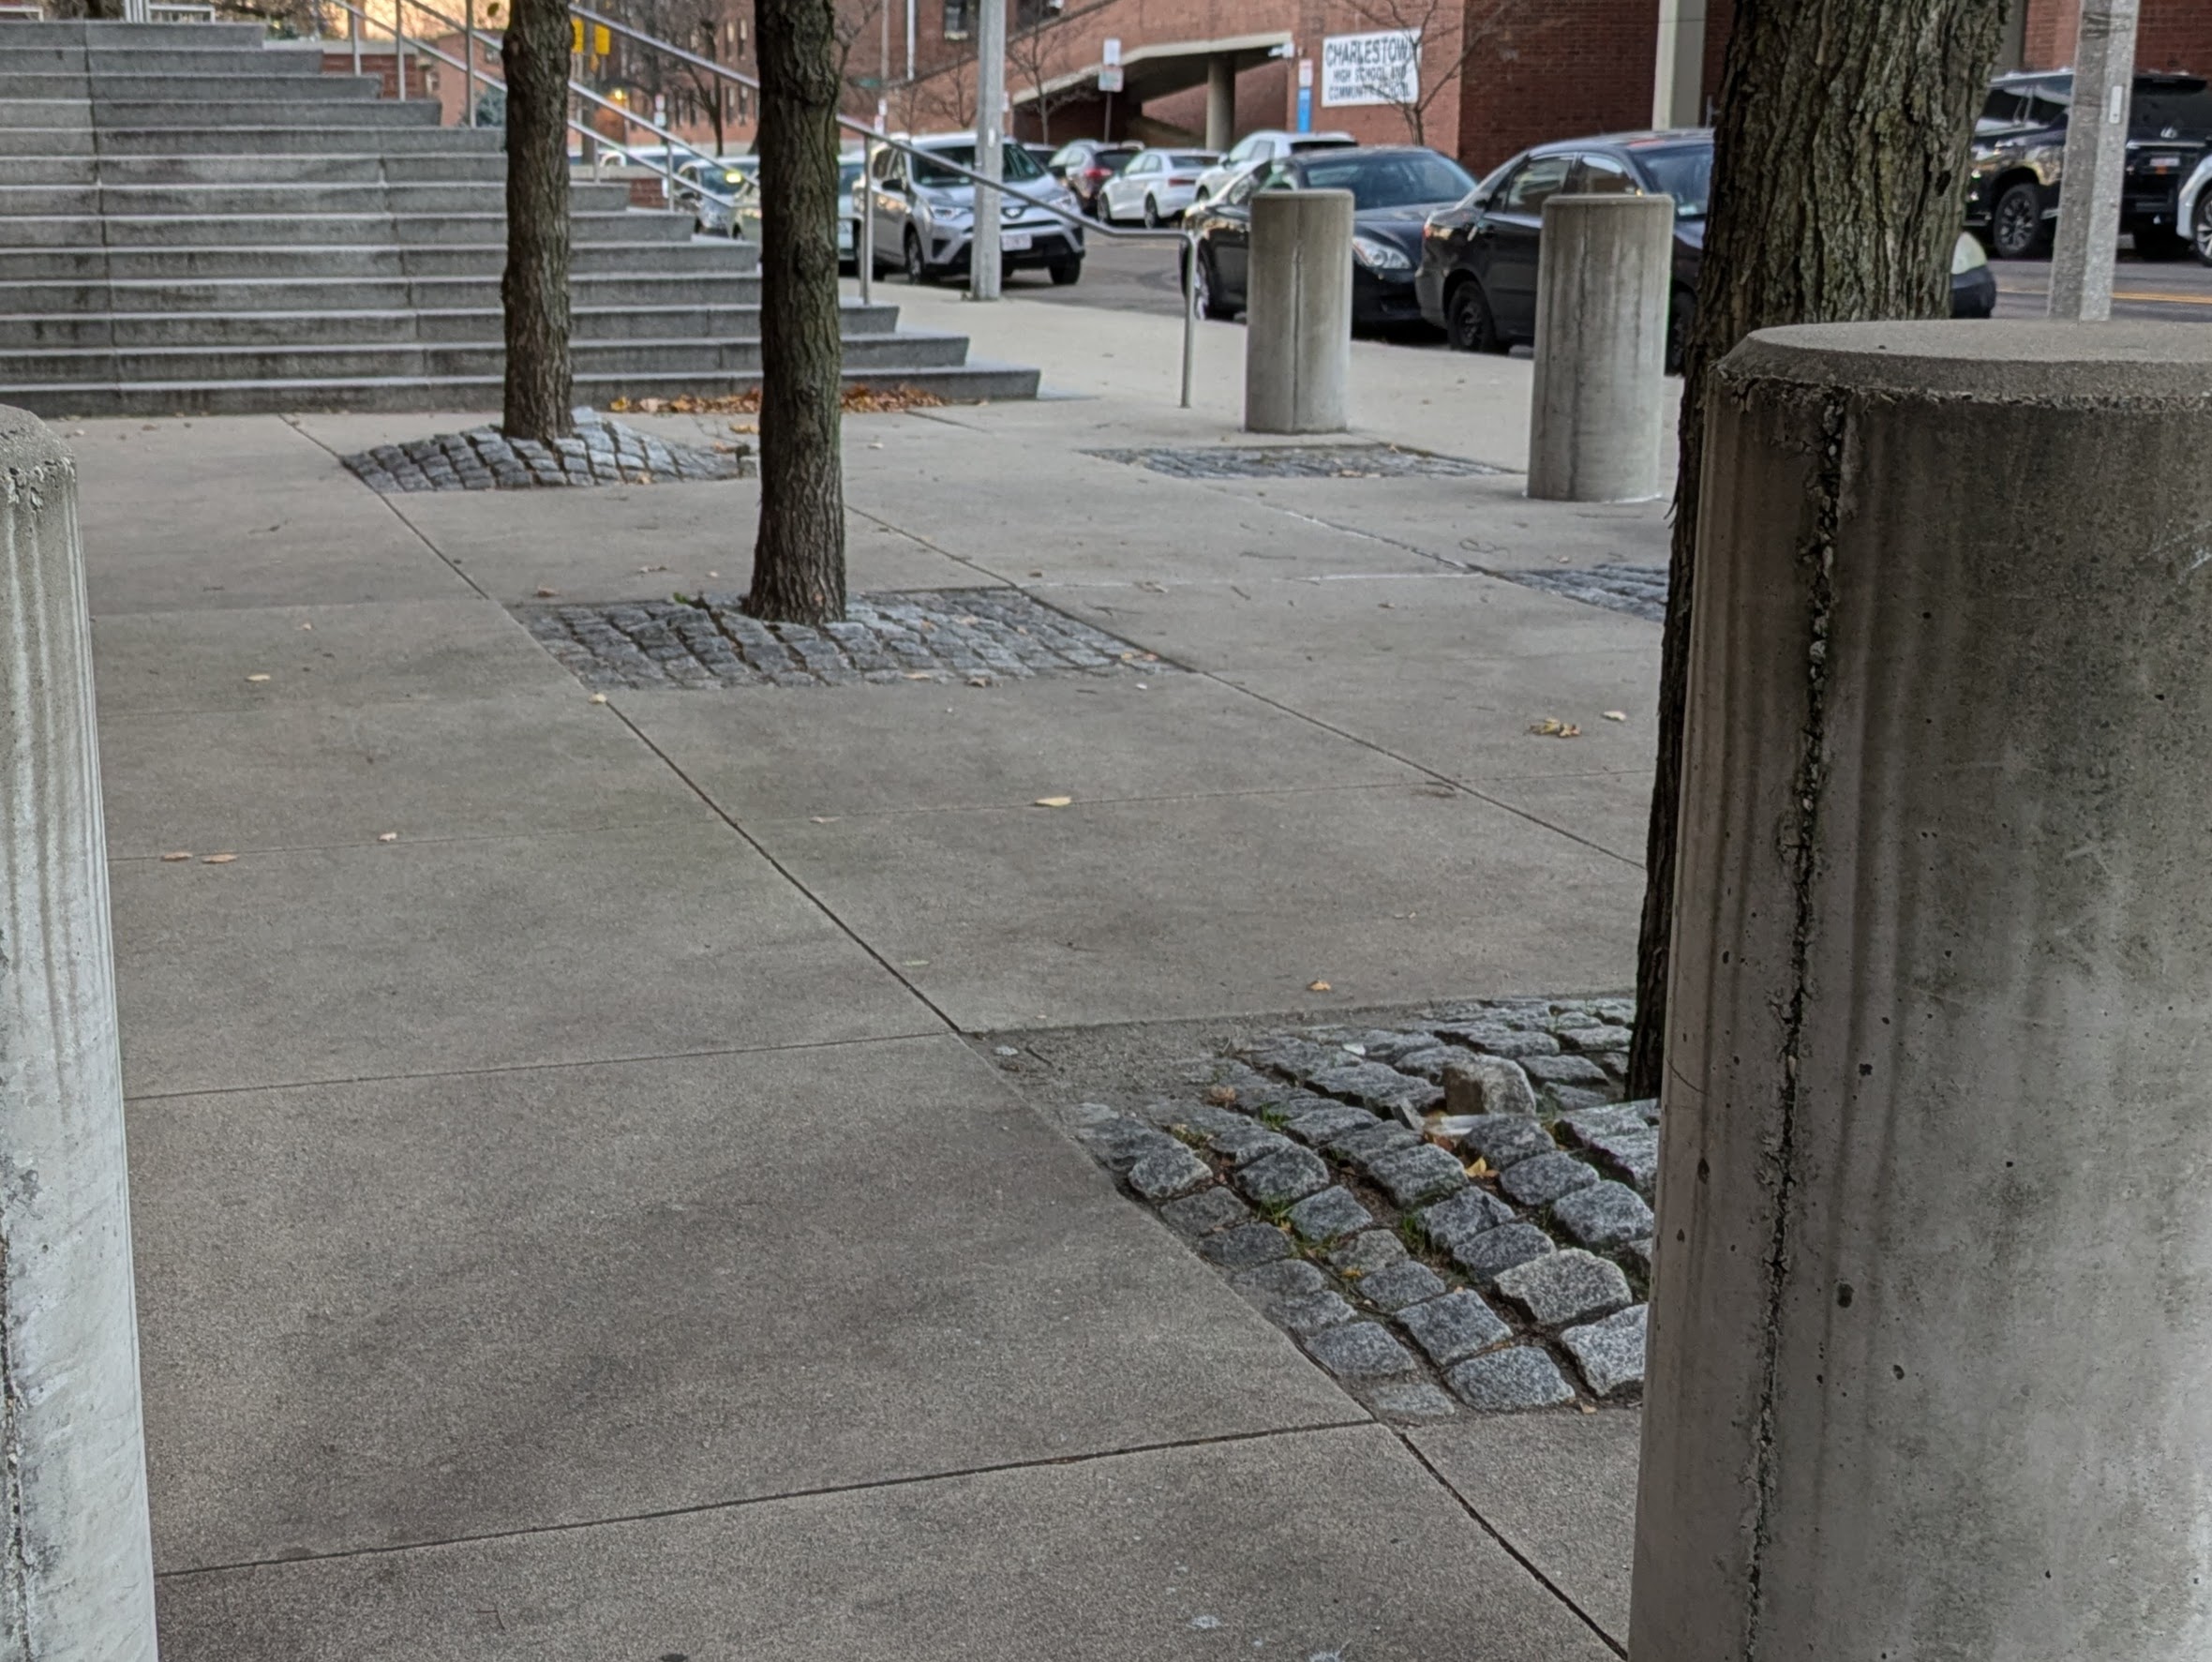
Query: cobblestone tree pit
x=1932, y=1319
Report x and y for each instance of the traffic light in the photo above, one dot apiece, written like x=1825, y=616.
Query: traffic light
x=603, y=39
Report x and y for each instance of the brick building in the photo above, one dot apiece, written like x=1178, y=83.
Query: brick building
x=1491, y=76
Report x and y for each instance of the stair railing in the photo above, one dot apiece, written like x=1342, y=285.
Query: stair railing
x=871, y=139
x=670, y=142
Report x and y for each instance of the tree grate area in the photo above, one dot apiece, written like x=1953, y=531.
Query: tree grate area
x=1640, y=590
x=602, y=452
x=1449, y=1216
x=978, y=636
x=1300, y=461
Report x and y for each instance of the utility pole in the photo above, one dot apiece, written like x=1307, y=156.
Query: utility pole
x=990, y=152
x=2095, y=159
x=910, y=5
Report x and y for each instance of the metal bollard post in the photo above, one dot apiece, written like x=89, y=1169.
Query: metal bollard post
x=353, y=34
x=1298, y=329
x=1189, y=310
x=468, y=60
x=76, y=1555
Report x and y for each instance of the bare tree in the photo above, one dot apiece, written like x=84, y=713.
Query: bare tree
x=1871, y=183
x=946, y=98
x=690, y=90
x=1037, y=50
x=1447, y=36
x=540, y=389
x=799, y=556
x=860, y=23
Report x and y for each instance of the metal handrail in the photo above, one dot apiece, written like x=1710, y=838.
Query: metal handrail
x=670, y=139
x=871, y=137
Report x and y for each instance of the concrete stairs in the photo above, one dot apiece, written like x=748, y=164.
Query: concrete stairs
x=190, y=222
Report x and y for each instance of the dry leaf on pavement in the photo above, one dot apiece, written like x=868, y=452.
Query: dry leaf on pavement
x=599, y=697
x=256, y=678
x=1052, y=801
x=1319, y=987
x=179, y=854
x=387, y=836
x=219, y=859
x=1611, y=716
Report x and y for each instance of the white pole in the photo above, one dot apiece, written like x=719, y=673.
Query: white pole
x=353, y=34
x=910, y=5
x=864, y=238
x=2095, y=157
x=984, y=268
x=469, y=59
x=76, y=1555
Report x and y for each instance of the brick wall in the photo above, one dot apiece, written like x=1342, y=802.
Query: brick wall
x=1584, y=67
x=2169, y=34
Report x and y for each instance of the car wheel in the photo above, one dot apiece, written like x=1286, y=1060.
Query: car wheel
x=2016, y=223
x=1468, y=321
x=1681, y=312
x=918, y=269
x=1065, y=272
x=1105, y=208
x=1151, y=213
x=2201, y=233
x=1206, y=298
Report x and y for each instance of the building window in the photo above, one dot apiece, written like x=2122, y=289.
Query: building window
x=959, y=19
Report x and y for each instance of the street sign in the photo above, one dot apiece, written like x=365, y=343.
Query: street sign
x=1112, y=54
x=1110, y=78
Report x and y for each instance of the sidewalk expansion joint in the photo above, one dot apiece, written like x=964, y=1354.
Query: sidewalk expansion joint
x=703, y=1508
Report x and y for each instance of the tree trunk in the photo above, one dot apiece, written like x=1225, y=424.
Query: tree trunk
x=534, y=53
x=1839, y=170
x=798, y=557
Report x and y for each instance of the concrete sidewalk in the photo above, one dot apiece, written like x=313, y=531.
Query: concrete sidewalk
x=581, y=1225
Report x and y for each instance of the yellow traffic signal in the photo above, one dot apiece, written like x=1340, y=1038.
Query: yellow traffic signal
x=603, y=39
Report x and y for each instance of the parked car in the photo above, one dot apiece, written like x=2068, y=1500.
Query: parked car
x=1256, y=150
x=1086, y=164
x=1477, y=276
x=2193, y=209
x=2020, y=152
x=1394, y=190
x=1155, y=186
x=925, y=212
x=717, y=195
x=848, y=213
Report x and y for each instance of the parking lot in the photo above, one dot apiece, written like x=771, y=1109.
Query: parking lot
x=1142, y=276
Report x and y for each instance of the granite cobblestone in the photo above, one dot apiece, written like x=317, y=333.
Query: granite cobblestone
x=602, y=453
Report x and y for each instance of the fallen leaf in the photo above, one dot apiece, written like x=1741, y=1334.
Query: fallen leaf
x=716, y=573
x=1480, y=1167
x=643, y=569
x=1584, y=1408
x=547, y=593
x=980, y=681
x=599, y=697
x=1221, y=1096
x=1319, y=987
x=387, y=836
x=1351, y=1275
x=877, y=444
x=915, y=962
x=919, y=675
x=1052, y=801
x=825, y=819
x=1547, y=727
x=219, y=859
x=179, y=854
x=256, y=678
x=1570, y=731
x=307, y=625
x=1616, y=715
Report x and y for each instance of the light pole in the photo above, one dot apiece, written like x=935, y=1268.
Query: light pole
x=2092, y=175
x=983, y=270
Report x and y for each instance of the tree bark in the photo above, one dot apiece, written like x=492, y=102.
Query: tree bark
x=540, y=392
x=799, y=556
x=1839, y=166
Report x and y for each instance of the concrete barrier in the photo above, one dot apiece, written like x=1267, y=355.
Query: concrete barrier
x=1298, y=312
x=1601, y=284
x=1932, y=1318
x=76, y=1563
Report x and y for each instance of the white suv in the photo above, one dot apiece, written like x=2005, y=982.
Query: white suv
x=2193, y=209
x=1254, y=149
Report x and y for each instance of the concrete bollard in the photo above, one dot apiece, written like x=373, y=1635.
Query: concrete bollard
x=1298, y=312
x=1932, y=1318
x=76, y=1561
x=1602, y=286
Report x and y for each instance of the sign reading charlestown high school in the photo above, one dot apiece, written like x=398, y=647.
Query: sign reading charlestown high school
x=1384, y=68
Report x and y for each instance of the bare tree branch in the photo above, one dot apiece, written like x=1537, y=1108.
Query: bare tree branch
x=1449, y=37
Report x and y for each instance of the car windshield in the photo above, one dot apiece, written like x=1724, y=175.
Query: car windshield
x=1389, y=179
x=1192, y=159
x=1683, y=173
x=1017, y=164
x=848, y=175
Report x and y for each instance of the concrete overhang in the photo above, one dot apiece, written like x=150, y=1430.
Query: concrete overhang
x=1154, y=70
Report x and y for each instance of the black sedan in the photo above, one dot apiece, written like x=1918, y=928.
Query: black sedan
x=1394, y=190
x=1477, y=279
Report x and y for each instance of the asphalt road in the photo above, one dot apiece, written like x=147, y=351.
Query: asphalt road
x=1135, y=276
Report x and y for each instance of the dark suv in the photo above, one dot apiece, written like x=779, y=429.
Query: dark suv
x=2019, y=150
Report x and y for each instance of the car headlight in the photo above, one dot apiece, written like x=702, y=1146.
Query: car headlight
x=2045, y=159
x=1966, y=255
x=954, y=219
x=1378, y=256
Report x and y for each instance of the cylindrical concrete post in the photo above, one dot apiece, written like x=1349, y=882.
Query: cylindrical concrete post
x=76, y=1563
x=1221, y=103
x=1931, y=1320
x=1600, y=396
x=1298, y=312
